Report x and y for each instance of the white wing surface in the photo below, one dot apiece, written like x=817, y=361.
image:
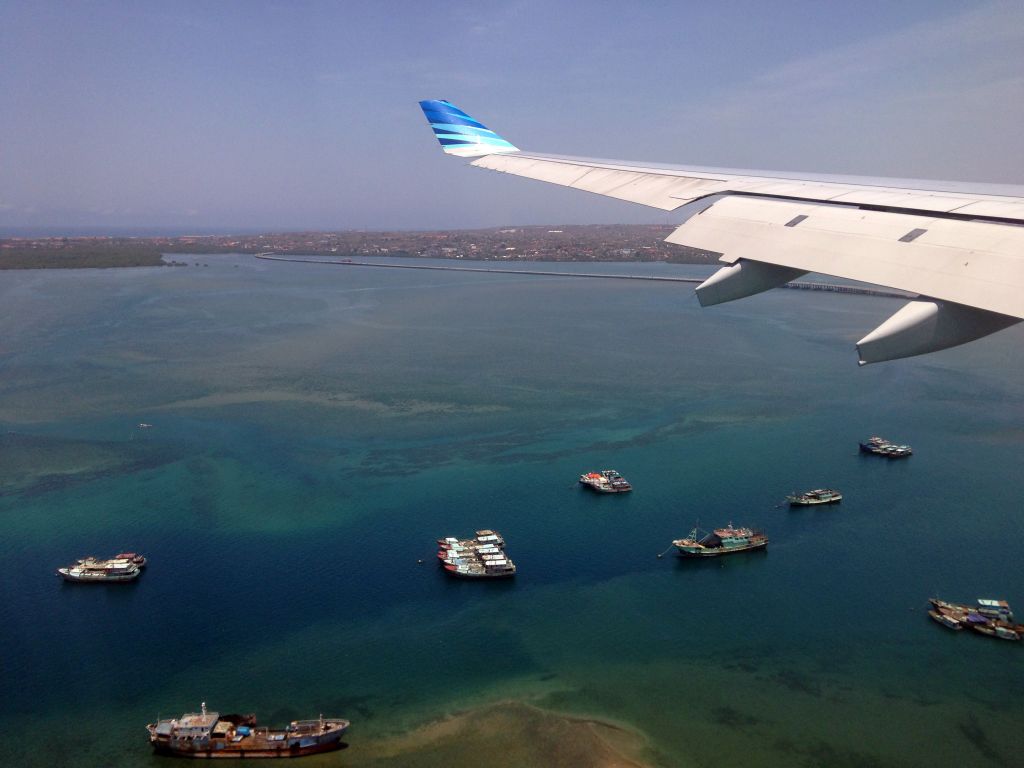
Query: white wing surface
x=960, y=248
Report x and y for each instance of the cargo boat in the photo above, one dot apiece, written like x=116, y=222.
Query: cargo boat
x=817, y=496
x=722, y=541
x=92, y=571
x=606, y=481
x=212, y=735
x=879, y=446
x=482, y=557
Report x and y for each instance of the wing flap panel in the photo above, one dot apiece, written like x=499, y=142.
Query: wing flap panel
x=977, y=264
x=786, y=188
x=997, y=208
x=901, y=199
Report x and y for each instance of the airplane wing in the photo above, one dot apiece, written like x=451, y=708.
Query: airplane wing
x=960, y=248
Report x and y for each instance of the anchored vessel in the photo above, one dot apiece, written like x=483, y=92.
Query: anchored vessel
x=482, y=557
x=817, y=496
x=210, y=734
x=128, y=557
x=989, y=617
x=90, y=570
x=721, y=541
x=879, y=446
x=606, y=481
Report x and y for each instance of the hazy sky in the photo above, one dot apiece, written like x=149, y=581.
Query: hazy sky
x=285, y=115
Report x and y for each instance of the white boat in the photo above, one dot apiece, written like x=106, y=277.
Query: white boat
x=92, y=571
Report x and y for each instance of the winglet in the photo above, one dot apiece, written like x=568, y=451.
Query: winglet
x=460, y=134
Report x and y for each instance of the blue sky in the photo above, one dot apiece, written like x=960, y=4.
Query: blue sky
x=289, y=115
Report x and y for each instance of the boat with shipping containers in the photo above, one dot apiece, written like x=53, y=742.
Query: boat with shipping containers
x=212, y=735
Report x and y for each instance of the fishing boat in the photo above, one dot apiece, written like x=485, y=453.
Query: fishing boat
x=992, y=629
x=721, y=541
x=483, y=569
x=134, y=558
x=606, y=481
x=481, y=557
x=993, y=610
x=93, y=571
x=950, y=622
x=817, y=496
x=992, y=618
x=879, y=446
x=209, y=734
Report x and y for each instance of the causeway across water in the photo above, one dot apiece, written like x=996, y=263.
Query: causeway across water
x=806, y=286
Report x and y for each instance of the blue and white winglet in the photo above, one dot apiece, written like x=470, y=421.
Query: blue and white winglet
x=460, y=134
x=959, y=247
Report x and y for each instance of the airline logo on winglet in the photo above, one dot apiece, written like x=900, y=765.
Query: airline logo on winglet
x=460, y=134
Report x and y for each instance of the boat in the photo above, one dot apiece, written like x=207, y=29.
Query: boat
x=209, y=734
x=989, y=617
x=950, y=622
x=136, y=559
x=481, y=557
x=991, y=610
x=485, y=537
x=92, y=571
x=998, y=630
x=817, y=496
x=995, y=609
x=879, y=446
x=722, y=541
x=484, y=569
x=606, y=481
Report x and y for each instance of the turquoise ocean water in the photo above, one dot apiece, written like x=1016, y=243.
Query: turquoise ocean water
x=316, y=428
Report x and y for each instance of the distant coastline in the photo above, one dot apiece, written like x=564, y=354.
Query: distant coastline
x=564, y=243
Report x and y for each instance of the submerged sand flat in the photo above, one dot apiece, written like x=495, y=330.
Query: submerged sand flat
x=509, y=733
x=328, y=400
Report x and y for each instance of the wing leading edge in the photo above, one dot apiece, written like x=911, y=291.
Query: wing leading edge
x=960, y=249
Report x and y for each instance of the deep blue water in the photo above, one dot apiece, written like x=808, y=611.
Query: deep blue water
x=317, y=428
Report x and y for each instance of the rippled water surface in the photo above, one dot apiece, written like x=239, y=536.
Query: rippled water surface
x=317, y=427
